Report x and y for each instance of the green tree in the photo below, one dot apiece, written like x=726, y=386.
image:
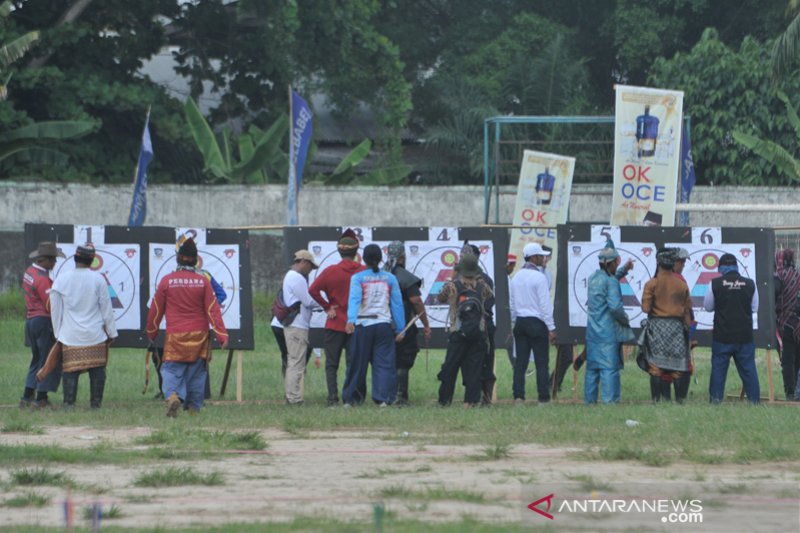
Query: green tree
x=727, y=90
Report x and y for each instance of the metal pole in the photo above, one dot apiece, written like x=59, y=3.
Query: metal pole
x=486, y=170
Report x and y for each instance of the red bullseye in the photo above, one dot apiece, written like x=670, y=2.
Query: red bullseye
x=449, y=258
x=97, y=263
x=710, y=261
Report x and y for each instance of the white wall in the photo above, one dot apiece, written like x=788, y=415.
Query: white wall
x=237, y=206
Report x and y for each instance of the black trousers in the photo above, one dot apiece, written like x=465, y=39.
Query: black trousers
x=333, y=343
x=790, y=362
x=468, y=356
x=530, y=334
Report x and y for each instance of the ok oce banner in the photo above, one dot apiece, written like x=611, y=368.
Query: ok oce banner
x=545, y=184
x=647, y=151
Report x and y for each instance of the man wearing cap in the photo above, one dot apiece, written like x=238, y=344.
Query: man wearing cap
x=413, y=306
x=668, y=305
x=295, y=289
x=187, y=299
x=733, y=299
x=488, y=378
x=36, y=284
x=330, y=290
x=607, y=327
x=466, y=354
x=532, y=316
x=83, y=322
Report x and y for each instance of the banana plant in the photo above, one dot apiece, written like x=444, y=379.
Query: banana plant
x=771, y=151
x=259, y=152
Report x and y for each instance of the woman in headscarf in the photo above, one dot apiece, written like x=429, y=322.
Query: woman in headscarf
x=668, y=306
x=373, y=308
x=787, y=285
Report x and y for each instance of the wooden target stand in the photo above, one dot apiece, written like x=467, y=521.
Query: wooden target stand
x=239, y=374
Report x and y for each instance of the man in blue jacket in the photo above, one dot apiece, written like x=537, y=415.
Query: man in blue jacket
x=607, y=327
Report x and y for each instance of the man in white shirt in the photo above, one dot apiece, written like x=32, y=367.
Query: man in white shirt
x=83, y=322
x=532, y=316
x=295, y=289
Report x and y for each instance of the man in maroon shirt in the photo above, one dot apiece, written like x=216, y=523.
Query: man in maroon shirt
x=334, y=281
x=36, y=284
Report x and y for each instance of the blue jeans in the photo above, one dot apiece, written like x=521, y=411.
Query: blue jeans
x=187, y=379
x=608, y=379
x=39, y=333
x=530, y=334
x=744, y=357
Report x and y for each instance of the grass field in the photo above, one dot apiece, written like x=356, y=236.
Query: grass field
x=409, y=469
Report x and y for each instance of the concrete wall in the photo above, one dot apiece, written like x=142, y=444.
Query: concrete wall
x=237, y=206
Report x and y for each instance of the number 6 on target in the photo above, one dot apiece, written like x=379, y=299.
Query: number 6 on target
x=706, y=236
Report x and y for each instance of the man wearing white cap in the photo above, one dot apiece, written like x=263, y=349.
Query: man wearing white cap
x=532, y=316
x=295, y=289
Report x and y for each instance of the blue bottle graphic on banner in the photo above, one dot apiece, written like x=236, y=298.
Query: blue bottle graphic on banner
x=646, y=133
x=545, y=183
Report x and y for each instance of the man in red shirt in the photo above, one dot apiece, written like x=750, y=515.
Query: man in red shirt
x=334, y=281
x=36, y=284
x=187, y=299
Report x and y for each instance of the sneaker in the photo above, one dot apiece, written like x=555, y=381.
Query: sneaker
x=543, y=404
x=173, y=405
x=25, y=402
x=44, y=403
x=347, y=405
x=383, y=404
x=519, y=402
x=333, y=402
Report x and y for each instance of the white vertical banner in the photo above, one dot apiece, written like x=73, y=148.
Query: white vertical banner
x=545, y=185
x=647, y=156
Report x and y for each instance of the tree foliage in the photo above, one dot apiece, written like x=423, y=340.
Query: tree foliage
x=729, y=90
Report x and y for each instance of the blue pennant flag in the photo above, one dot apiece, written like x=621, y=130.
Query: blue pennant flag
x=299, y=140
x=139, y=203
x=688, y=178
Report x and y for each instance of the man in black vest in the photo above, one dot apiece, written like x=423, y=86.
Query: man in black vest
x=733, y=299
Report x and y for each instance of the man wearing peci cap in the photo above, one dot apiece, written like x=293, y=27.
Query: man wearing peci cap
x=36, y=284
x=607, y=327
x=733, y=299
x=186, y=298
x=330, y=289
x=295, y=289
x=532, y=316
x=83, y=322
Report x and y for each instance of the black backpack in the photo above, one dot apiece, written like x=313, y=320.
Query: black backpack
x=470, y=316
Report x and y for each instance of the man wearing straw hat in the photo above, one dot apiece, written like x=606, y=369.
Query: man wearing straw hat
x=36, y=284
x=83, y=322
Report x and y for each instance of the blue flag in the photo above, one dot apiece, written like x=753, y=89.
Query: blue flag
x=299, y=140
x=139, y=204
x=688, y=178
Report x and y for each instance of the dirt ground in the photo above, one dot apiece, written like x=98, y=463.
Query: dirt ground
x=345, y=474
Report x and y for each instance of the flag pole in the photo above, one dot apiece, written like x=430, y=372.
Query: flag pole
x=291, y=196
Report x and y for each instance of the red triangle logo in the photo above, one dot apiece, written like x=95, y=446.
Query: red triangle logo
x=534, y=506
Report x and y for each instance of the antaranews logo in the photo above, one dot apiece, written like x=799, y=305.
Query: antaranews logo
x=670, y=511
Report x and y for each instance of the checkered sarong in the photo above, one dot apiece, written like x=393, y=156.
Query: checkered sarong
x=79, y=358
x=666, y=344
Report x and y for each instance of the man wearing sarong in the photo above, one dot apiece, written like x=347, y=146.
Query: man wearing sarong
x=83, y=322
x=413, y=306
x=787, y=285
x=36, y=284
x=187, y=299
x=331, y=289
x=669, y=309
x=607, y=327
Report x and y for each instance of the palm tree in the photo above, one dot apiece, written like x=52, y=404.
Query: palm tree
x=786, y=49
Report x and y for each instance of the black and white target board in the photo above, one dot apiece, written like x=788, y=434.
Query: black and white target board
x=133, y=260
x=431, y=254
x=579, y=245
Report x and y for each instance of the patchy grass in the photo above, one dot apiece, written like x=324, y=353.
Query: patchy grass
x=432, y=494
x=28, y=499
x=40, y=477
x=494, y=452
x=21, y=426
x=176, y=477
x=111, y=513
x=205, y=440
x=589, y=484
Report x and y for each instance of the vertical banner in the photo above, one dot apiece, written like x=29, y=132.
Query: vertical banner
x=545, y=184
x=300, y=130
x=688, y=178
x=139, y=204
x=647, y=156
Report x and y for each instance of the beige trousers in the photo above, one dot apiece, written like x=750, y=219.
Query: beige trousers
x=296, y=346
